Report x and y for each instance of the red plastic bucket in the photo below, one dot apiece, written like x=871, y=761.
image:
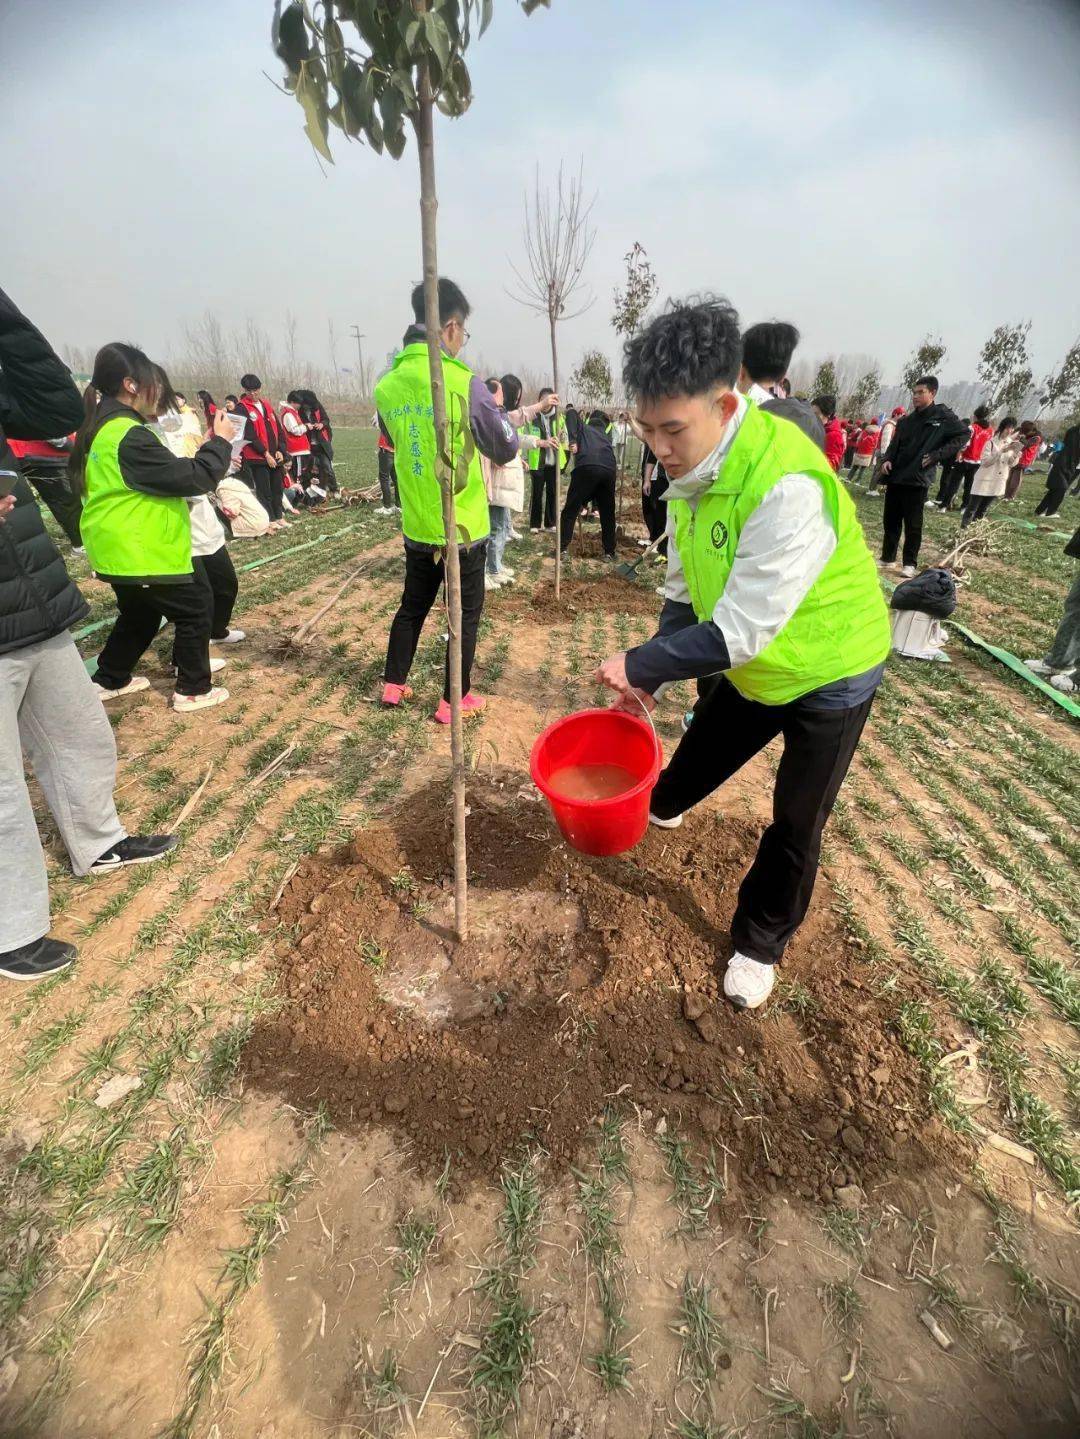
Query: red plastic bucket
x=599, y=737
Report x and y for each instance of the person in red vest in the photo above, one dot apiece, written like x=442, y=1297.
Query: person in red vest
x=967, y=461
x=835, y=443
x=44, y=463
x=1032, y=445
x=263, y=461
x=297, y=444
x=866, y=444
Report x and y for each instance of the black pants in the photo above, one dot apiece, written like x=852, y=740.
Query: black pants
x=542, y=504
x=818, y=745
x=323, y=459
x=424, y=575
x=141, y=611
x=1051, y=501
x=961, y=473
x=654, y=511
x=388, y=479
x=590, y=485
x=220, y=587
x=903, y=510
x=976, y=507
x=51, y=483
x=266, y=483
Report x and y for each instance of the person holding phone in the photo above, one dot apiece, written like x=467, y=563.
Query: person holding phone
x=136, y=526
x=48, y=708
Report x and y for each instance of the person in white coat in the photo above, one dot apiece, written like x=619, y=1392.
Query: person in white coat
x=1000, y=453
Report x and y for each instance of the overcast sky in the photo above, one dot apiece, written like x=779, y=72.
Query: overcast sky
x=870, y=169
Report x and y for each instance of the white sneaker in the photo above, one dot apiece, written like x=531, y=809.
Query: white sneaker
x=1065, y=683
x=1038, y=667
x=133, y=686
x=232, y=638
x=930, y=505
x=383, y=510
x=78, y=549
x=909, y=572
x=661, y=590
x=183, y=703
x=747, y=982
x=534, y=529
x=492, y=582
x=873, y=494
x=665, y=823
x=216, y=664
x=513, y=535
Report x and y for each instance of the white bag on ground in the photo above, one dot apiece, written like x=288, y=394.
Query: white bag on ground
x=918, y=636
x=251, y=519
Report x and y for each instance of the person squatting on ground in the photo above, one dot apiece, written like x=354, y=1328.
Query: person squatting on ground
x=1061, y=663
x=48, y=707
x=1063, y=470
x=136, y=526
x=997, y=457
x=298, y=451
x=771, y=587
x=403, y=402
x=924, y=437
x=592, y=481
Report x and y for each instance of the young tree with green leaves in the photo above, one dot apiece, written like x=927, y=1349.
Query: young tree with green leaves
x=926, y=359
x=1003, y=369
x=591, y=382
x=864, y=395
x=557, y=241
x=1062, y=386
x=639, y=290
x=369, y=67
x=825, y=381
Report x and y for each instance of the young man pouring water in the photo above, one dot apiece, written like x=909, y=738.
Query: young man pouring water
x=770, y=587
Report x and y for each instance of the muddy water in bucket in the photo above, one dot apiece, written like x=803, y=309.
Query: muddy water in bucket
x=591, y=782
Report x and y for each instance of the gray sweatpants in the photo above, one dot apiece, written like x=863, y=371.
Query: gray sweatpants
x=1065, y=651
x=50, y=709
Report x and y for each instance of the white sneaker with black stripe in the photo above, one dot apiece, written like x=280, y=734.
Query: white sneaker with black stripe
x=747, y=982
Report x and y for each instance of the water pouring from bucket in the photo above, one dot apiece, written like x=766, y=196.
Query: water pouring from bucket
x=597, y=769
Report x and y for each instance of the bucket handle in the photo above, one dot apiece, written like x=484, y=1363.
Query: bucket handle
x=648, y=715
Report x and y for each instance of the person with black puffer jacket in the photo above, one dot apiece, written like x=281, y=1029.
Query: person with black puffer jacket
x=48, y=706
x=926, y=435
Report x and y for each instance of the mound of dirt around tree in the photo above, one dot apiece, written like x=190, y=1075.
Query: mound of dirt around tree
x=584, y=982
x=607, y=592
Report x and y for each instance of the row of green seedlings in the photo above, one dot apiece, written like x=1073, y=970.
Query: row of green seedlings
x=346, y=676
x=501, y=1364
x=998, y=734
x=991, y=1012
x=1031, y=871
x=597, y=1195
x=84, y=1166
x=930, y=740
x=266, y=1223
x=50, y=1039
x=1048, y=975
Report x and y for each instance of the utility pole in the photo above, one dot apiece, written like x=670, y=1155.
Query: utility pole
x=358, y=337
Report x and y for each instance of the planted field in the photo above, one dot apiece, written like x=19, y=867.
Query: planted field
x=277, y=1162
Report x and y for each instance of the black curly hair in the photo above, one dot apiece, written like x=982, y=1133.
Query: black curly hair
x=691, y=348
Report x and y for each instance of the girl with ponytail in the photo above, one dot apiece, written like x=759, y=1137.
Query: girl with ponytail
x=136, y=527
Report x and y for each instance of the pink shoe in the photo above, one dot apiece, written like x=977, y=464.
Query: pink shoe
x=394, y=694
x=470, y=704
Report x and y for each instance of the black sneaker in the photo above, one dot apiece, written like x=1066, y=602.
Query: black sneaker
x=136, y=849
x=37, y=960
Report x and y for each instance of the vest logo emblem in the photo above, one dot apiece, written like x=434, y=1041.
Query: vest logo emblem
x=719, y=534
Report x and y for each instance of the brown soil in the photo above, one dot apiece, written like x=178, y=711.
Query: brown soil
x=584, y=979
x=610, y=593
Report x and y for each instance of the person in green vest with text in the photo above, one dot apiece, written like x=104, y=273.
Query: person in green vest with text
x=770, y=586
x=137, y=529
x=403, y=401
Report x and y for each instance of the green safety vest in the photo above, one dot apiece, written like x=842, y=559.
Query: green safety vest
x=403, y=400
x=558, y=433
x=130, y=536
x=841, y=628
